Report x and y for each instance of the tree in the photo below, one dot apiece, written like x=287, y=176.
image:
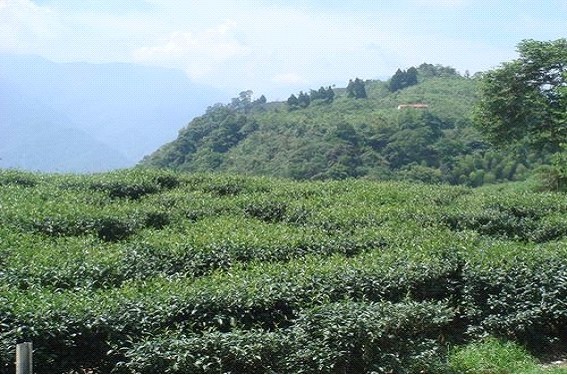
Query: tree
x=243, y=102
x=292, y=102
x=330, y=94
x=411, y=76
x=397, y=81
x=525, y=100
x=356, y=89
x=402, y=79
x=430, y=70
x=261, y=100
x=325, y=94
x=303, y=99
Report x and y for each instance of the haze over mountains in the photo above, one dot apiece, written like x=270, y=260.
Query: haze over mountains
x=82, y=117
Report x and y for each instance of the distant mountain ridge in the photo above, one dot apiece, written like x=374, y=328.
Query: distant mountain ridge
x=352, y=132
x=116, y=112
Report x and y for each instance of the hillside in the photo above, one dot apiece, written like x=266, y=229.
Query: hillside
x=143, y=271
x=342, y=136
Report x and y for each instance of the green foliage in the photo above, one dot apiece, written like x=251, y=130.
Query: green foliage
x=492, y=356
x=293, y=102
x=252, y=351
x=402, y=79
x=355, y=337
x=429, y=70
x=554, y=177
x=18, y=178
x=327, y=134
x=356, y=89
x=339, y=337
x=153, y=271
x=525, y=99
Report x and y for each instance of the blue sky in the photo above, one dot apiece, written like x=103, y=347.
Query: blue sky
x=279, y=47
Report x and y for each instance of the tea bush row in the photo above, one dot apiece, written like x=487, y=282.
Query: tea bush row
x=191, y=251
x=342, y=337
x=525, y=301
x=514, y=298
x=100, y=269
x=523, y=217
x=268, y=296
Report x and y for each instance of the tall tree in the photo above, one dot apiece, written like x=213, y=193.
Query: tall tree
x=303, y=99
x=356, y=89
x=293, y=102
x=411, y=76
x=402, y=79
x=261, y=100
x=526, y=99
x=330, y=94
x=397, y=81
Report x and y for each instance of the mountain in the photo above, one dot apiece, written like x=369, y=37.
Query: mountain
x=126, y=108
x=36, y=137
x=421, y=129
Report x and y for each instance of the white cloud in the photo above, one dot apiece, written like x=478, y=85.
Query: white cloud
x=288, y=79
x=275, y=47
x=199, y=53
x=25, y=26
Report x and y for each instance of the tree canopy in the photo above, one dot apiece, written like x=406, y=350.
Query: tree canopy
x=311, y=136
x=525, y=100
x=402, y=79
x=356, y=89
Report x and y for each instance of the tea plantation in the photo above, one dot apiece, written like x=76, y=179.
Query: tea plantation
x=154, y=271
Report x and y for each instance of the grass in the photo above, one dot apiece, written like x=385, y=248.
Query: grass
x=496, y=356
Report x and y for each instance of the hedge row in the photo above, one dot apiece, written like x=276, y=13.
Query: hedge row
x=343, y=337
x=151, y=271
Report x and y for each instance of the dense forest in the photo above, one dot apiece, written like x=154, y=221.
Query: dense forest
x=415, y=126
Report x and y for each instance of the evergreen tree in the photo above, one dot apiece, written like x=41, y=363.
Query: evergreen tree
x=314, y=95
x=330, y=95
x=325, y=94
x=261, y=100
x=402, y=79
x=356, y=89
x=411, y=77
x=303, y=100
x=397, y=81
x=350, y=88
x=293, y=102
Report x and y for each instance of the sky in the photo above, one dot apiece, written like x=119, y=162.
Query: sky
x=280, y=47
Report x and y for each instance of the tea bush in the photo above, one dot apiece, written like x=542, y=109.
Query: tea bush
x=152, y=271
x=337, y=337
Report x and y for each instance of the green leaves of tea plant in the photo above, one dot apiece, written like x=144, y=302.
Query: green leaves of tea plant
x=144, y=270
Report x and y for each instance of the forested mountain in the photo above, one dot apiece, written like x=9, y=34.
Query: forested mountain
x=415, y=126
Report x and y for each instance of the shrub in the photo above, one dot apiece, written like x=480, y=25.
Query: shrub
x=357, y=337
x=245, y=352
x=521, y=298
x=18, y=178
x=338, y=337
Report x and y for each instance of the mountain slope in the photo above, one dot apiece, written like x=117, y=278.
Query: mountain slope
x=132, y=109
x=347, y=137
x=36, y=137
